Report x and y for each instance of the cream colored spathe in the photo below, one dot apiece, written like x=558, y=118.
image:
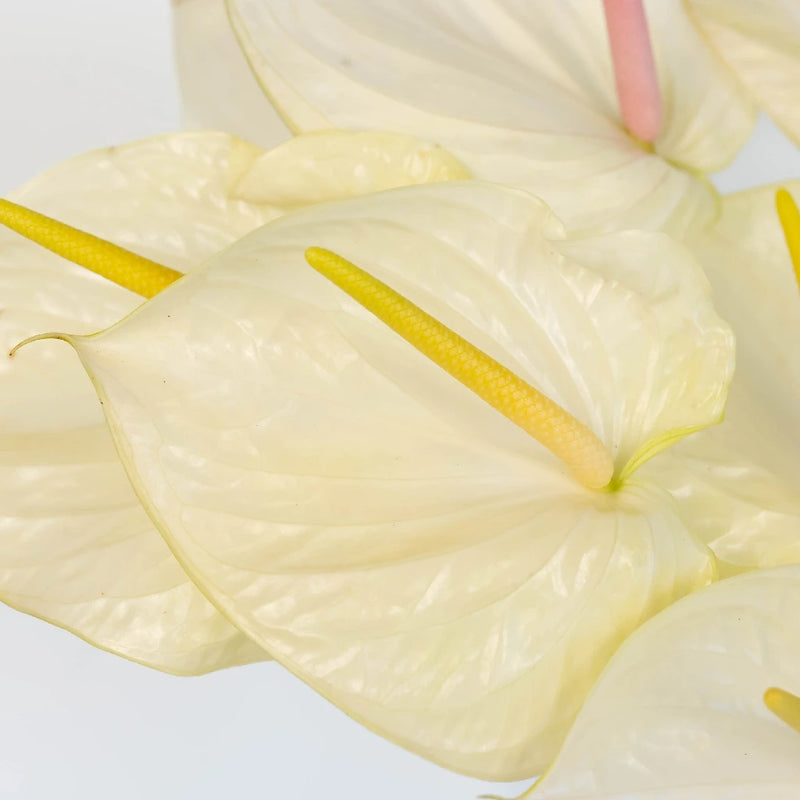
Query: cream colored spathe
x=522, y=93
x=680, y=712
x=76, y=547
x=375, y=526
x=738, y=483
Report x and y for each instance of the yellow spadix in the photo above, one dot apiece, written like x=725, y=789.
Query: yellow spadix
x=790, y=222
x=784, y=705
x=129, y=270
x=562, y=434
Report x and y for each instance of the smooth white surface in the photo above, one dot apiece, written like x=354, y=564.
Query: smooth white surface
x=77, y=722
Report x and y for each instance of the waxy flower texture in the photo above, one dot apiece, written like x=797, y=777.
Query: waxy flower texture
x=318, y=460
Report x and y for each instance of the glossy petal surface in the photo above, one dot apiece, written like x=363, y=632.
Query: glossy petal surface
x=76, y=547
x=387, y=535
x=737, y=484
x=332, y=165
x=760, y=40
x=521, y=93
x=679, y=712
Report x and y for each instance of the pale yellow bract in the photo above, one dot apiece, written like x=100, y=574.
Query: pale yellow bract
x=738, y=482
x=524, y=405
x=522, y=93
x=76, y=546
x=683, y=709
x=332, y=499
x=343, y=500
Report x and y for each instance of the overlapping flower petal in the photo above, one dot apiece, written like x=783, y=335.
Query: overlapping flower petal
x=344, y=503
x=679, y=712
x=384, y=533
x=738, y=483
x=522, y=93
x=76, y=547
x=333, y=165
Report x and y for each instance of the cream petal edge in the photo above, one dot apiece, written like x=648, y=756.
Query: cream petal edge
x=584, y=779
x=246, y=171
x=479, y=194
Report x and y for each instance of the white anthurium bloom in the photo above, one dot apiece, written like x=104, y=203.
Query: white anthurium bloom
x=76, y=547
x=523, y=93
x=738, y=482
x=383, y=532
x=760, y=41
x=699, y=704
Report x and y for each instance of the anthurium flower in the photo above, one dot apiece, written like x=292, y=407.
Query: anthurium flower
x=523, y=93
x=386, y=533
x=701, y=702
x=76, y=547
x=738, y=482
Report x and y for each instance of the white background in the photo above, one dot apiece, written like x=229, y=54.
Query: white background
x=76, y=722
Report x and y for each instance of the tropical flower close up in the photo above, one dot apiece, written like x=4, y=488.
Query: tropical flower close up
x=466, y=404
x=522, y=93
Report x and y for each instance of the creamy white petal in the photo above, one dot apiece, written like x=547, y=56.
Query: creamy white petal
x=679, y=712
x=383, y=532
x=76, y=547
x=737, y=485
x=522, y=93
x=218, y=88
x=760, y=41
x=332, y=165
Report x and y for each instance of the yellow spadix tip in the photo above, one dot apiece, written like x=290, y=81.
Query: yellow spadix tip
x=784, y=705
x=789, y=217
x=129, y=270
x=562, y=434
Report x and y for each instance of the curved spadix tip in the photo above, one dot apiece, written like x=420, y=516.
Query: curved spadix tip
x=784, y=705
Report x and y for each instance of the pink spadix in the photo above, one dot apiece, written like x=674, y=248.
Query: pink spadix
x=634, y=68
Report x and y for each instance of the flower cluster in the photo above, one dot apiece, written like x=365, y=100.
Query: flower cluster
x=472, y=403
